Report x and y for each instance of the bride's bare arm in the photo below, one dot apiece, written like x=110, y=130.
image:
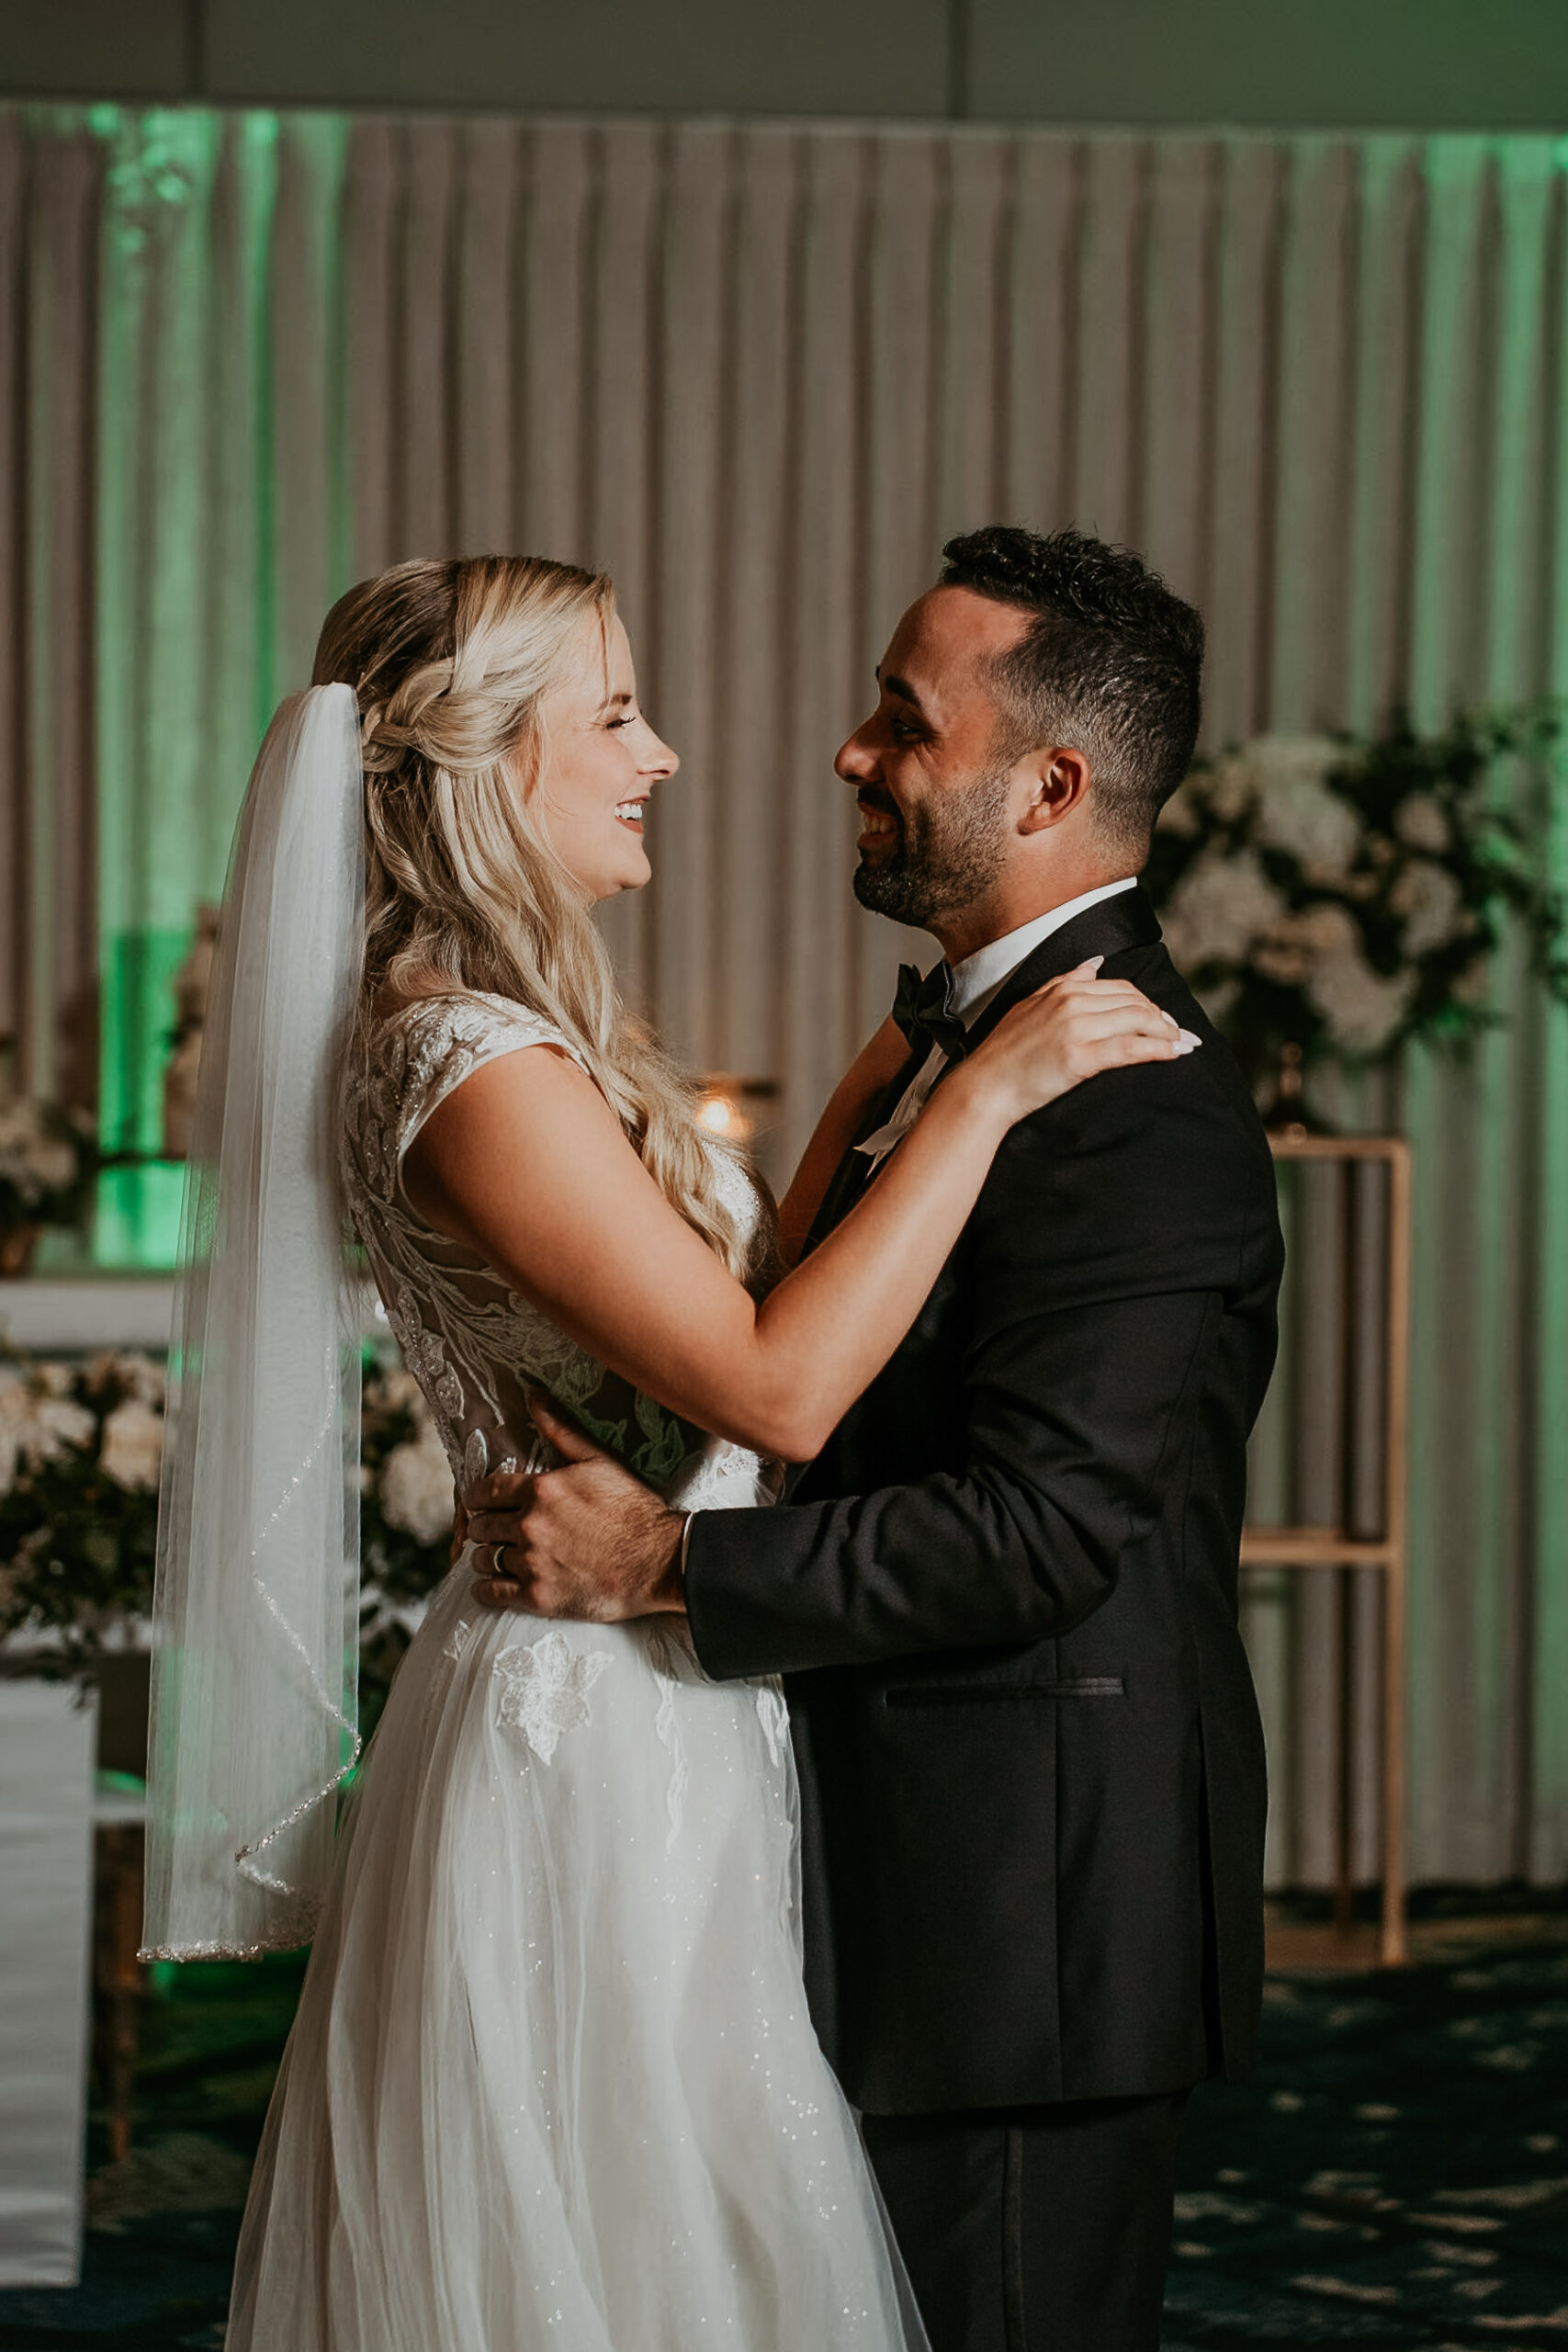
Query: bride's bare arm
x=525, y=1163
x=876, y=1066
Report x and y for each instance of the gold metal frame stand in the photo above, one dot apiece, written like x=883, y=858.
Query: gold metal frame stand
x=1341, y=1553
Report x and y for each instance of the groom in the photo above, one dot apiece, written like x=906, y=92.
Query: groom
x=1004, y=1596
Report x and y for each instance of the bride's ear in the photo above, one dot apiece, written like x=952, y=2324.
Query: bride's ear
x=1060, y=778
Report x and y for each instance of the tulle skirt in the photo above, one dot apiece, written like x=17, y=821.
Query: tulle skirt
x=553, y=2082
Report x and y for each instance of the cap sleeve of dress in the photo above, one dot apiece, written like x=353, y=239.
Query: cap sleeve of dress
x=424, y=1053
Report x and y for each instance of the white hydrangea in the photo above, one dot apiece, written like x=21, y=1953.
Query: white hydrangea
x=400, y=1393
x=1297, y=811
x=60, y=1423
x=36, y=1426
x=1277, y=759
x=1432, y=904
x=1287, y=951
x=1217, y=909
x=1282, y=960
x=1422, y=822
x=1231, y=787
x=132, y=1451
x=416, y=1488
x=33, y=1161
x=1362, y=1008
x=136, y=1374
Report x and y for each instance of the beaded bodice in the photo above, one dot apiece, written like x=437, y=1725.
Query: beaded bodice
x=471, y=1341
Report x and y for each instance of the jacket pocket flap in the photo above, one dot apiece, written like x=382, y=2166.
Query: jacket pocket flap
x=990, y=1694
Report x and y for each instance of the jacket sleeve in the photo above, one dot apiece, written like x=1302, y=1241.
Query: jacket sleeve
x=1098, y=1259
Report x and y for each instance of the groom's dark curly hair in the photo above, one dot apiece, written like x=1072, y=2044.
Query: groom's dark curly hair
x=1112, y=663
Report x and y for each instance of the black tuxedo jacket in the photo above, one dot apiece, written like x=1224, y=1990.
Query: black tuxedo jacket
x=1005, y=1599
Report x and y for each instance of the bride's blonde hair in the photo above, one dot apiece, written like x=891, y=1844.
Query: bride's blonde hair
x=450, y=663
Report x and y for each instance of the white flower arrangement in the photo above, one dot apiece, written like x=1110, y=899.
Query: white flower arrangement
x=46, y=1160
x=416, y=1487
x=1333, y=900
x=37, y=1424
x=80, y=1450
x=81, y=1454
x=35, y=1160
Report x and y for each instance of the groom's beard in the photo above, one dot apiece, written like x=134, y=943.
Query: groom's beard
x=945, y=854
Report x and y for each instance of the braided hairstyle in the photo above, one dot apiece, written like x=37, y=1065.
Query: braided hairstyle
x=451, y=662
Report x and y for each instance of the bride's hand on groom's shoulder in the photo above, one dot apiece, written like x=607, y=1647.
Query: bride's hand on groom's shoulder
x=588, y=1540
x=1072, y=1028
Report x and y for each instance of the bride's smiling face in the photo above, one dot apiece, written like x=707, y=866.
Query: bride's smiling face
x=601, y=761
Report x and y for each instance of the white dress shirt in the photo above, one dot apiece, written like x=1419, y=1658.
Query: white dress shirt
x=975, y=982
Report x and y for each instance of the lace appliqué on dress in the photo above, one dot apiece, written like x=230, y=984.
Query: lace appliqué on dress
x=543, y=1689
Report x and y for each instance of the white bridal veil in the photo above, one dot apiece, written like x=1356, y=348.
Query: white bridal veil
x=254, y=1667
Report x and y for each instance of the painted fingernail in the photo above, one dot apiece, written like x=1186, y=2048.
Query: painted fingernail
x=1189, y=1041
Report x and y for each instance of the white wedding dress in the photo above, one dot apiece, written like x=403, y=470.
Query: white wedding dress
x=553, y=2083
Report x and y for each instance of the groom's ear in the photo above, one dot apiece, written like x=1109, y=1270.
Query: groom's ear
x=1058, y=781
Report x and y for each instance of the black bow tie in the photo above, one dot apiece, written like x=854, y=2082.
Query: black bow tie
x=923, y=1011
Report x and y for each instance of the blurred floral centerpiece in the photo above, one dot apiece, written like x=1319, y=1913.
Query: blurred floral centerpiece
x=48, y=1159
x=80, y=1451
x=1332, y=901
x=405, y=1524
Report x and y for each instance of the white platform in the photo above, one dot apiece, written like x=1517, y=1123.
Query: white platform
x=47, y=1744
x=79, y=1315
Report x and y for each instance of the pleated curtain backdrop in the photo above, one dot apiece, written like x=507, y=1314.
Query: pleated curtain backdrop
x=759, y=372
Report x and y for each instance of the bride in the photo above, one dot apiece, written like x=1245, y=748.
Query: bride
x=552, y=2081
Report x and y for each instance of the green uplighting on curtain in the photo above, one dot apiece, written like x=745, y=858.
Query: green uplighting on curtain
x=198, y=309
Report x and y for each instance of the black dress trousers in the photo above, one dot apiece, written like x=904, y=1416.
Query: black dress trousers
x=1044, y=2229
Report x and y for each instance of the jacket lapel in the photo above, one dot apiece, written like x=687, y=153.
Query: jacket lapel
x=1114, y=925
x=1109, y=929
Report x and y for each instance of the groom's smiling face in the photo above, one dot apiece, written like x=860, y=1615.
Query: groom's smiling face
x=935, y=799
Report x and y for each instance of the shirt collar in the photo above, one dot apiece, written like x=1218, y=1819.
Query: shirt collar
x=978, y=978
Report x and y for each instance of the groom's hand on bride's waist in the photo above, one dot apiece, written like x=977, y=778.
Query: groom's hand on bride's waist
x=588, y=1540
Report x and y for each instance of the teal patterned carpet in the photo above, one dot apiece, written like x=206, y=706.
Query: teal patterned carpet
x=1396, y=2175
